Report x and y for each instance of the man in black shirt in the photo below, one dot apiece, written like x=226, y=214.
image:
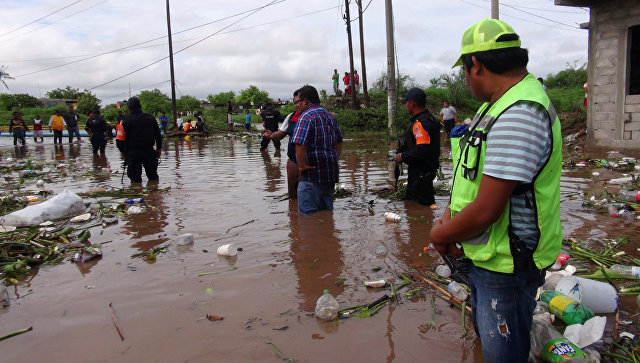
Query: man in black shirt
x=97, y=129
x=270, y=120
x=71, y=119
x=419, y=147
x=142, y=131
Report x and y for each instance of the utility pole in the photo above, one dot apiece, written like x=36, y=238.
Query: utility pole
x=174, y=110
x=354, y=102
x=495, y=10
x=391, y=72
x=365, y=92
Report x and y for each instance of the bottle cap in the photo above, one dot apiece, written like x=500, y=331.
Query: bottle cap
x=326, y=291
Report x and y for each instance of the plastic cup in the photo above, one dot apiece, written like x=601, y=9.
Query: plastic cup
x=600, y=297
x=228, y=250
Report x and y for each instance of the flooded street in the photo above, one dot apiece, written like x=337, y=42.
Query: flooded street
x=223, y=190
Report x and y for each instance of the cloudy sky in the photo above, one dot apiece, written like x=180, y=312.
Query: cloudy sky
x=111, y=46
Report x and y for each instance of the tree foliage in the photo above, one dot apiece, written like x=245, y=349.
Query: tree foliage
x=404, y=83
x=13, y=102
x=253, y=94
x=88, y=103
x=189, y=103
x=572, y=76
x=154, y=101
x=66, y=93
x=221, y=99
x=455, y=87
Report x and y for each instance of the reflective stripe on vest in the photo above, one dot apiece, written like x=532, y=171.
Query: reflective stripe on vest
x=491, y=249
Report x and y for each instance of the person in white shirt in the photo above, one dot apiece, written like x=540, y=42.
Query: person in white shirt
x=449, y=117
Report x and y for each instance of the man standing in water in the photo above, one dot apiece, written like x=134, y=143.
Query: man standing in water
x=419, y=147
x=505, y=200
x=142, y=131
x=71, y=119
x=318, y=146
x=270, y=119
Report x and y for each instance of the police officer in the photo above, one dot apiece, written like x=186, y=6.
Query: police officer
x=419, y=147
x=97, y=129
x=141, y=130
x=270, y=120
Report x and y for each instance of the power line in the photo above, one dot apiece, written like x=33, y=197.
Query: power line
x=527, y=20
x=20, y=27
x=549, y=10
x=46, y=25
x=187, y=47
x=365, y=9
x=536, y=15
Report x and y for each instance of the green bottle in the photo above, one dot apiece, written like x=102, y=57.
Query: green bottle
x=567, y=309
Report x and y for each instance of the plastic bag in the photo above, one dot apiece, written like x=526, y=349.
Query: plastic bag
x=64, y=204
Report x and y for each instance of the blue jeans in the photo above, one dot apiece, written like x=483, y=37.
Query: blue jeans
x=503, y=310
x=73, y=130
x=313, y=197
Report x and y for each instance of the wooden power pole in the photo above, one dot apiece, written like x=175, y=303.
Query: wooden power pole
x=354, y=102
x=495, y=9
x=365, y=92
x=174, y=110
x=391, y=72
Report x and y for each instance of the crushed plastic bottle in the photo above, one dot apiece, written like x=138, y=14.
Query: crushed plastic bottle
x=551, y=346
x=458, y=291
x=613, y=211
x=443, y=271
x=381, y=251
x=392, y=217
x=624, y=270
x=133, y=200
x=626, y=215
x=629, y=195
x=327, y=307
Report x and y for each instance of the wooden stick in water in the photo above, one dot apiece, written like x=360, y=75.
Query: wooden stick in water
x=115, y=321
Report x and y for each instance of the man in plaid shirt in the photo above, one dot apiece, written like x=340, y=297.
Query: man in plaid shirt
x=318, y=146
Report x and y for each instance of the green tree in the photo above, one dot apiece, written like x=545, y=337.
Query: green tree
x=221, y=99
x=154, y=101
x=4, y=75
x=88, y=103
x=67, y=93
x=189, y=103
x=253, y=94
x=457, y=92
x=18, y=101
x=572, y=76
x=404, y=82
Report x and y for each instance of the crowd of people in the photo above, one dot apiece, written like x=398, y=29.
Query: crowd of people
x=351, y=82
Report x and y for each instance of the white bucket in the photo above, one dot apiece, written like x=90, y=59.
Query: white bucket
x=227, y=250
x=600, y=297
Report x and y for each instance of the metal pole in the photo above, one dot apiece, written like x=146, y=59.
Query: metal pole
x=495, y=10
x=354, y=102
x=391, y=72
x=174, y=110
x=365, y=92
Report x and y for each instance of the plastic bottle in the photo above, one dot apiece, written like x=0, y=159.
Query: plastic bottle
x=443, y=271
x=620, y=181
x=626, y=270
x=613, y=211
x=551, y=346
x=629, y=195
x=327, y=307
x=381, y=251
x=626, y=215
x=392, y=217
x=566, y=308
x=458, y=291
x=133, y=200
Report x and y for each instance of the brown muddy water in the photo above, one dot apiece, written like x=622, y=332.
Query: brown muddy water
x=223, y=190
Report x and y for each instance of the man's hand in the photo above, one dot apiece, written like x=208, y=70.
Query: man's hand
x=159, y=152
x=399, y=157
x=303, y=168
x=267, y=134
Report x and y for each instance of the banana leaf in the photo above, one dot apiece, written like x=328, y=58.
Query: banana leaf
x=598, y=275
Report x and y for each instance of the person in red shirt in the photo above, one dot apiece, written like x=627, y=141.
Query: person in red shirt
x=345, y=80
x=37, y=129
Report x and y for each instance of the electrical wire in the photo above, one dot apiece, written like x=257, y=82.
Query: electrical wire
x=365, y=9
x=532, y=14
x=20, y=27
x=46, y=25
x=185, y=48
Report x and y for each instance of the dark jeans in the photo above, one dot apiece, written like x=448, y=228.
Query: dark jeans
x=57, y=136
x=18, y=134
x=98, y=142
x=73, y=130
x=265, y=142
x=502, y=312
x=163, y=127
x=448, y=126
x=136, y=159
x=420, y=187
x=120, y=145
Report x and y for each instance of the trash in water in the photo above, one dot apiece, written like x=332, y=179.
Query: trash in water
x=184, y=239
x=134, y=209
x=227, y=250
x=377, y=283
x=87, y=254
x=81, y=218
x=381, y=251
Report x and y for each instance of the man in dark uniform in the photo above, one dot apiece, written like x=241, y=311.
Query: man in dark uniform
x=419, y=147
x=142, y=131
x=97, y=129
x=71, y=118
x=270, y=119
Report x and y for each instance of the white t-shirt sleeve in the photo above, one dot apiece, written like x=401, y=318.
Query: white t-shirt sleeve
x=285, y=124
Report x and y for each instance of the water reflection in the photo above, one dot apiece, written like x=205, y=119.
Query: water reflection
x=272, y=169
x=150, y=224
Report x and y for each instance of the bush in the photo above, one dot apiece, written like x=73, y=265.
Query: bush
x=573, y=76
x=567, y=99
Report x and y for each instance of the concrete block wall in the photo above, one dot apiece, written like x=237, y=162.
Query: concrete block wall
x=613, y=116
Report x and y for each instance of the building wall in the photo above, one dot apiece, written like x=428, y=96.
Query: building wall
x=613, y=117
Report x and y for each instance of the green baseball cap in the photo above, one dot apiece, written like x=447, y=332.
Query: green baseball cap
x=483, y=36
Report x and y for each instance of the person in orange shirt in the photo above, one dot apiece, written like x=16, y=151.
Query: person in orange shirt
x=120, y=135
x=419, y=148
